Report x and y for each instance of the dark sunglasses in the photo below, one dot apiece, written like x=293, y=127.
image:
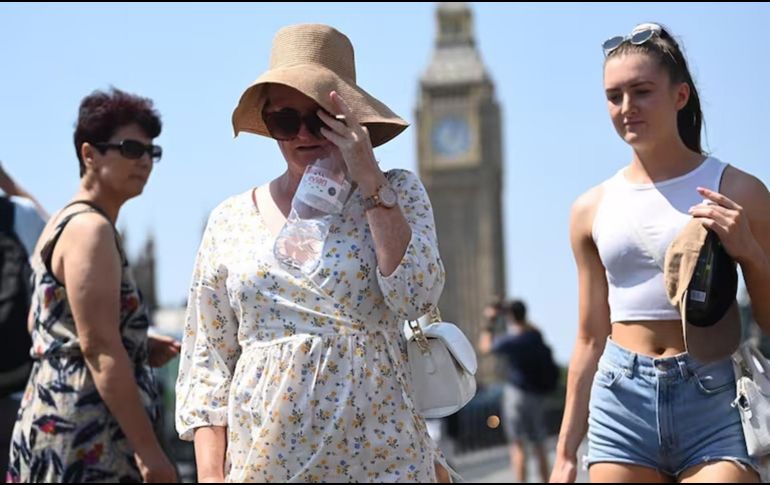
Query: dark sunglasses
x=132, y=149
x=641, y=34
x=285, y=124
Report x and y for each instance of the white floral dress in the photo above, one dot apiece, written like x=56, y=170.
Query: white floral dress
x=308, y=373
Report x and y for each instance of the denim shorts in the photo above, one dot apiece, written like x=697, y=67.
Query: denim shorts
x=669, y=414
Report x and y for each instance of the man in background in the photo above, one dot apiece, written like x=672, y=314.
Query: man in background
x=530, y=374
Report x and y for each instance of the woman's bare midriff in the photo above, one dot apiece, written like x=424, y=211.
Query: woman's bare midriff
x=654, y=338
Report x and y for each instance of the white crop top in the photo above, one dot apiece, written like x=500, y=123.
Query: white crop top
x=659, y=211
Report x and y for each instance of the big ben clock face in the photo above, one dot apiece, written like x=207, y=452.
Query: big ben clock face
x=451, y=137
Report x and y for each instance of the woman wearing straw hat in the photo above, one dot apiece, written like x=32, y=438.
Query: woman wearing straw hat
x=654, y=396
x=288, y=376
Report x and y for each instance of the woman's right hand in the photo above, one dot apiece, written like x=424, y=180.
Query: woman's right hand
x=162, y=349
x=156, y=468
x=564, y=470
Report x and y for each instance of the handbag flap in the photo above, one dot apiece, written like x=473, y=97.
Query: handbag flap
x=457, y=343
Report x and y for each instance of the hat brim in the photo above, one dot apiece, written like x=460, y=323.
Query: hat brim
x=317, y=82
x=715, y=342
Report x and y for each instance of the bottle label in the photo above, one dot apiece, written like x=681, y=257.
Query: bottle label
x=320, y=190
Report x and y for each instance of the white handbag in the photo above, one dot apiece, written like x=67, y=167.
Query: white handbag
x=752, y=381
x=442, y=364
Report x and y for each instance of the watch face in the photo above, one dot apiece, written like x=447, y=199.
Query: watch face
x=451, y=136
x=388, y=196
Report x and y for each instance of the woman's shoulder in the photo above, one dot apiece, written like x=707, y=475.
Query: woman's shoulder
x=742, y=182
x=590, y=199
x=585, y=204
x=84, y=224
x=405, y=181
x=233, y=206
x=584, y=210
x=81, y=237
x=745, y=189
x=400, y=174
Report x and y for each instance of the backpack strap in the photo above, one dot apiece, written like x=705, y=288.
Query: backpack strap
x=7, y=215
x=46, y=253
x=8, y=222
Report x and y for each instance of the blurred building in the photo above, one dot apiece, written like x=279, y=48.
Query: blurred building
x=459, y=151
x=166, y=321
x=144, y=274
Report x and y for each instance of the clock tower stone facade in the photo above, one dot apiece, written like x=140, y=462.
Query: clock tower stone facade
x=460, y=162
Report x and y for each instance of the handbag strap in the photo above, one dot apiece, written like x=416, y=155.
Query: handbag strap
x=633, y=224
x=643, y=239
x=418, y=334
x=749, y=358
x=741, y=366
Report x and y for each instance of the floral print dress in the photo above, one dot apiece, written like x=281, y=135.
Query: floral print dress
x=64, y=432
x=308, y=372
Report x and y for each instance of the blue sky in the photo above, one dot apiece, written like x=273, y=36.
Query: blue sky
x=195, y=60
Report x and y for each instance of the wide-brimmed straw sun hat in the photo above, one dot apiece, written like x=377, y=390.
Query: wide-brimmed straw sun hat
x=316, y=59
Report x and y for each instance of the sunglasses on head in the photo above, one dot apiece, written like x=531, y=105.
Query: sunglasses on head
x=132, y=149
x=285, y=124
x=641, y=34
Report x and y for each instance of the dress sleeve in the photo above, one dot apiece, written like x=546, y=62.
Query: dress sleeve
x=210, y=347
x=415, y=286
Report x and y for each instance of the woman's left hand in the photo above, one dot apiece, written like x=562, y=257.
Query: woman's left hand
x=162, y=349
x=730, y=222
x=353, y=141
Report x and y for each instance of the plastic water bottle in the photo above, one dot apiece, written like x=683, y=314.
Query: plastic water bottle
x=321, y=194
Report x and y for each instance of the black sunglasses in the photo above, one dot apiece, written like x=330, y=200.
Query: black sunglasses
x=132, y=149
x=285, y=124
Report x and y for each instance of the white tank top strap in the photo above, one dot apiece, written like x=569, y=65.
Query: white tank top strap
x=720, y=171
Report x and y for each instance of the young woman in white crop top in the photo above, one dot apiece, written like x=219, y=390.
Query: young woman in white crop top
x=653, y=413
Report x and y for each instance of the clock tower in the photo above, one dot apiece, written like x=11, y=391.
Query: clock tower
x=460, y=162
